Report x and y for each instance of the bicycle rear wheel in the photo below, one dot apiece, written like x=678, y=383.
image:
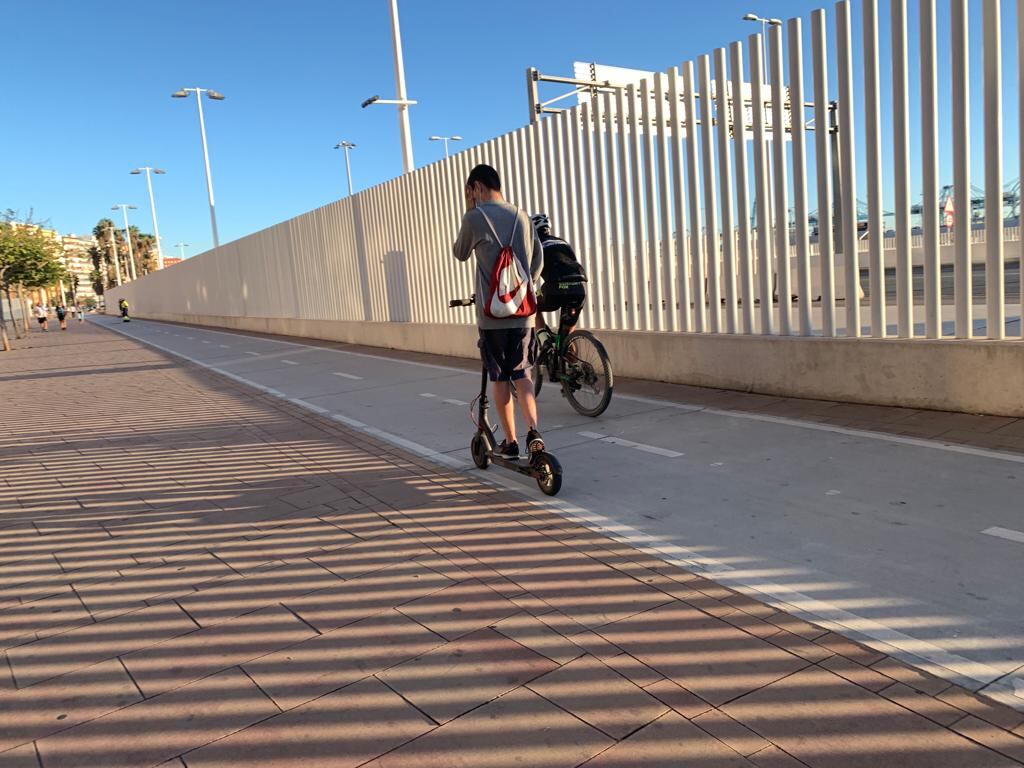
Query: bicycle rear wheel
x=588, y=379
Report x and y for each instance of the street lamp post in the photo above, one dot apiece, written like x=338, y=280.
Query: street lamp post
x=446, y=139
x=347, y=145
x=402, y=102
x=215, y=96
x=152, y=207
x=765, y=23
x=181, y=249
x=127, y=236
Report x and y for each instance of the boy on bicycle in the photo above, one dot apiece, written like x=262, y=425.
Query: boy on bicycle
x=564, y=278
x=508, y=345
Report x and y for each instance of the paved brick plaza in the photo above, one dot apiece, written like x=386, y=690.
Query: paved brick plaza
x=195, y=574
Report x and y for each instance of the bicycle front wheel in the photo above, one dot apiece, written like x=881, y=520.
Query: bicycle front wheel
x=588, y=379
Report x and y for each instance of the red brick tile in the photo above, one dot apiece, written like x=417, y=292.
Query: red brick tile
x=20, y=757
x=599, y=696
x=916, y=679
x=461, y=675
x=923, y=704
x=81, y=647
x=686, y=703
x=460, y=609
x=669, y=742
x=863, y=676
x=534, y=634
x=535, y=733
x=773, y=757
x=994, y=738
x=326, y=662
x=797, y=626
x=161, y=728
x=633, y=669
x=47, y=708
x=828, y=722
x=367, y=595
x=851, y=650
x=736, y=736
x=179, y=661
x=982, y=708
x=805, y=649
x=341, y=730
x=588, y=591
x=701, y=653
x=41, y=618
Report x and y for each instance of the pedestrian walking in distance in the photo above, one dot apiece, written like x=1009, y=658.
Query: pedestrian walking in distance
x=62, y=316
x=41, y=317
x=81, y=313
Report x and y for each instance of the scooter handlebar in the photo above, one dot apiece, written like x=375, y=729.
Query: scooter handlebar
x=463, y=302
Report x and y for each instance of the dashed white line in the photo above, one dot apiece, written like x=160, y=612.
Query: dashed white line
x=427, y=394
x=630, y=444
x=289, y=362
x=256, y=354
x=224, y=346
x=205, y=341
x=453, y=401
x=1005, y=533
x=348, y=376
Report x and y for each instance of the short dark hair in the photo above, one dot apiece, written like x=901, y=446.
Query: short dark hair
x=487, y=176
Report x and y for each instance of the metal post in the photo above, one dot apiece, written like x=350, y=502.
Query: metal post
x=930, y=173
x=206, y=162
x=994, y=278
x=531, y=93
x=156, y=229
x=403, y=108
x=873, y=166
x=348, y=169
x=901, y=167
x=961, y=170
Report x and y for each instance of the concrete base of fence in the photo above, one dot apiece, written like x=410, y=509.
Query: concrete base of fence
x=975, y=376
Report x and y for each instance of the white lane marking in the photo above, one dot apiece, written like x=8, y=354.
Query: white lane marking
x=289, y=362
x=1005, y=533
x=205, y=341
x=224, y=346
x=832, y=492
x=631, y=444
x=453, y=401
x=348, y=376
x=427, y=394
x=256, y=354
x=689, y=407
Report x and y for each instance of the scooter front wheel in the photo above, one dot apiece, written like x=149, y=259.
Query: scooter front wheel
x=481, y=451
x=548, y=473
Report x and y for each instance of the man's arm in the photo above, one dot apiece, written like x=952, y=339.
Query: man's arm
x=463, y=247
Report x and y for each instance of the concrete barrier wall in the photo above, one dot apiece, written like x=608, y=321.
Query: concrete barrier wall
x=969, y=376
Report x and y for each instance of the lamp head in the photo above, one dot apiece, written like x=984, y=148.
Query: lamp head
x=775, y=22
x=136, y=172
x=179, y=94
x=370, y=101
x=455, y=138
x=159, y=170
x=435, y=138
x=215, y=95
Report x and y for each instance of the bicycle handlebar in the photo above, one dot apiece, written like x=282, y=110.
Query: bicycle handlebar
x=462, y=302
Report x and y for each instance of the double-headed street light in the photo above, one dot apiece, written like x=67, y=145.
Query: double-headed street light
x=181, y=249
x=215, y=96
x=347, y=145
x=765, y=23
x=402, y=102
x=446, y=139
x=152, y=207
x=127, y=236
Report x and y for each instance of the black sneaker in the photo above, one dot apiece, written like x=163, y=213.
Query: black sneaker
x=508, y=450
x=534, y=442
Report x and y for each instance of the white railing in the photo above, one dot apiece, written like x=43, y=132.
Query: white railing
x=655, y=184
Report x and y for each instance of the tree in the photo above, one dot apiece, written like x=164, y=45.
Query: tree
x=103, y=255
x=30, y=257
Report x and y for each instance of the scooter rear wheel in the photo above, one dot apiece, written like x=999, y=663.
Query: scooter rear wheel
x=480, y=450
x=549, y=473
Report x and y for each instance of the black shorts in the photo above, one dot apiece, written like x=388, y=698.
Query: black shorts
x=508, y=353
x=41, y=320
x=567, y=297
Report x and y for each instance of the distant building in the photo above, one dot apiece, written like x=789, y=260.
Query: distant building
x=170, y=260
x=79, y=264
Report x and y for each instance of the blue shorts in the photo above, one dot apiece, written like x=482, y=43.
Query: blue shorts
x=508, y=353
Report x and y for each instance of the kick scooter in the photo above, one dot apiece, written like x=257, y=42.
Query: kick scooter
x=541, y=466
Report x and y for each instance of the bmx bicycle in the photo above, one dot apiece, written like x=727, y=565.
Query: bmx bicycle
x=541, y=466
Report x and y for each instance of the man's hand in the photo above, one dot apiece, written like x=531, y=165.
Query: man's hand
x=470, y=200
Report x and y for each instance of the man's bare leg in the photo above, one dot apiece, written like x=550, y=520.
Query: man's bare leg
x=506, y=410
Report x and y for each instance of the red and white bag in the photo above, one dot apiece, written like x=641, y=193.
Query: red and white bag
x=510, y=293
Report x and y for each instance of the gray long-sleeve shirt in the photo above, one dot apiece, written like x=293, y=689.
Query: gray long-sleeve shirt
x=475, y=236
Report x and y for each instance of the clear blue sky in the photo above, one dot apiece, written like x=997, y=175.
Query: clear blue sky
x=87, y=92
